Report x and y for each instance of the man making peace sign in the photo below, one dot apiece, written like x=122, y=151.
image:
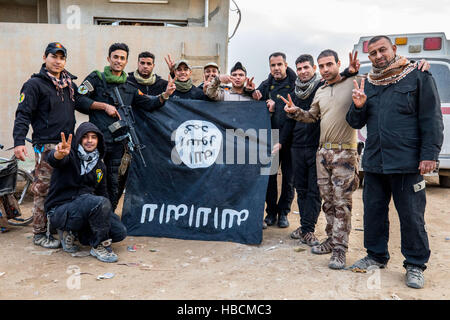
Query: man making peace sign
x=401, y=108
x=337, y=157
x=78, y=201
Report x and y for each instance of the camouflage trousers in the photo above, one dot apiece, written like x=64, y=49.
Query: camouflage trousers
x=41, y=184
x=337, y=177
x=3, y=218
x=9, y=209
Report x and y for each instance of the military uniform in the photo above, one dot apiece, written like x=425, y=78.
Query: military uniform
x=96, y=88
x=49, y=112
x=337, y=164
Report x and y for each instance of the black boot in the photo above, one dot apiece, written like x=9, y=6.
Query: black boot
x=283, y=221
x=270, y=219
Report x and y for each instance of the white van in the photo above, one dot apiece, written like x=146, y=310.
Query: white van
x=435, y=48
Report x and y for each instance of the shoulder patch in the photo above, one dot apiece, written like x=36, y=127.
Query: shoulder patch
x=87, y=85
x=99, y=173
x=83, y=89
x=22, y=97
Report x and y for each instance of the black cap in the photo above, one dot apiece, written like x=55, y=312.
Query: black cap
x=238, y=66
x=54, y=47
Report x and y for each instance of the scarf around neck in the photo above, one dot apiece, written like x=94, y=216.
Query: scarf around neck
x=145, y=81
x=110, y=78
x=64, y=81
x=183, y=86
x=395, y=71
x=88, y=159
x=304, y=89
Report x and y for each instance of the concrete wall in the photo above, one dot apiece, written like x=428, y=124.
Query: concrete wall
x=22, y=46
x=190, y=10
x=10, y=12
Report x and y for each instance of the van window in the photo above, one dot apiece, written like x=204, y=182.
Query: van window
x=441, y=74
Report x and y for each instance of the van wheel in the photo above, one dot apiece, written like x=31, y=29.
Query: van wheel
x=444, y=181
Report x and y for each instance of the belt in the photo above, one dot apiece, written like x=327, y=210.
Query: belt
x=339, y=146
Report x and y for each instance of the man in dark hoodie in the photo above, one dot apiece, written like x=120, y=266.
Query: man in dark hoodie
x=280, y=82
x=144, y=78
x=98, y=96
x=78, y=199
x=47, y=102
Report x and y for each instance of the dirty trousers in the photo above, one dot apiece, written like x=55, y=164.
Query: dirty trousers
x=41, y=184
x=337, y=177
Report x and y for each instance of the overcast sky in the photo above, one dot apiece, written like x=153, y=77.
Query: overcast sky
x=298, y=26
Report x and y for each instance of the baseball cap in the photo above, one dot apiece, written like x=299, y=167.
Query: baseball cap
x=211, y=64
x=181, y=62
x=54, y=47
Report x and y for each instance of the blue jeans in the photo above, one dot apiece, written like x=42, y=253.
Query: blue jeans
x=91, y=217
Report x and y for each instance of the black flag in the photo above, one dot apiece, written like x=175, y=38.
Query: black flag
x=206, y=175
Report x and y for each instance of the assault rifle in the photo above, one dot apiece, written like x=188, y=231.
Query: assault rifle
x=125, y=127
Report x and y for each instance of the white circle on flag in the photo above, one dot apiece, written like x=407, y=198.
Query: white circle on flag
x=198, y=143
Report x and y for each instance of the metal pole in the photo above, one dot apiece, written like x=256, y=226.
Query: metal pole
x=206, y=13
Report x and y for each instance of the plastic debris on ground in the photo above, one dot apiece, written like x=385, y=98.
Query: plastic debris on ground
x=130, y=264
x=395, y=297
x=81, y=254
x=131, y=248
x=358, y=270
x=45, y=253
x=153, y=250
x=2, y=273
x=107, y=275
x=299, y=249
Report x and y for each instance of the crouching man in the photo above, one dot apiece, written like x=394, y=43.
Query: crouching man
x=78, y=201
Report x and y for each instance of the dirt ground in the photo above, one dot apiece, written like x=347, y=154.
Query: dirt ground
x=279, y=268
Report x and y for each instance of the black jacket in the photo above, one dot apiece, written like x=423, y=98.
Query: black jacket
x=271, y=89
x=404, y=124
x=300, y=134
x=67, y=183
x=100, y=91
x=155, y=89
x=194, y=94
x=47, y=113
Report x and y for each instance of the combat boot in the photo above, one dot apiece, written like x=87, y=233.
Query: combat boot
x=104, y=253
x=365, y=263
x=46, y=241
x=337, y=260
x=414, y=277
x=283, y=221
x=67, y=239
x=270, y=219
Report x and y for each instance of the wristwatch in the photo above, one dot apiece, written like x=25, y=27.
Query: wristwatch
x=163, y=97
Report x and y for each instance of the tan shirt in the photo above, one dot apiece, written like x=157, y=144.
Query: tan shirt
x=330, y=105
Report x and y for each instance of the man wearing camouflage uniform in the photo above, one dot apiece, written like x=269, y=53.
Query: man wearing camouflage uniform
x=337, y=157
x=47, y=102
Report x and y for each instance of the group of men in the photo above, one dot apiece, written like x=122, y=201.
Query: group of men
x=78, y=182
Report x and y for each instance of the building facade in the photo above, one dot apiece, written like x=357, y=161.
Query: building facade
x=87, y=28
